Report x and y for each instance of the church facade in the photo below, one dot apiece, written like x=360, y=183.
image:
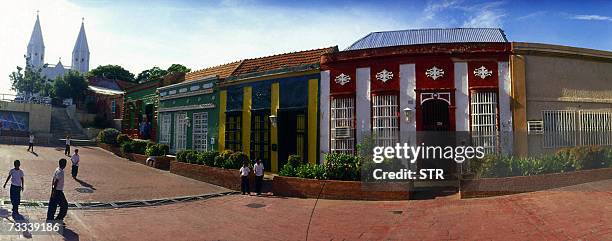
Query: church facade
x=35, y=56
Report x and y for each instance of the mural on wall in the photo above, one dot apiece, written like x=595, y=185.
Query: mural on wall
x=16, y=121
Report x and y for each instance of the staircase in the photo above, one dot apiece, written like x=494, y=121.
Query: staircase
x=62, y=125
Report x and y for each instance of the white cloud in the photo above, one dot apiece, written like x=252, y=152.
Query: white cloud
x=592, y=17
x=467, y=14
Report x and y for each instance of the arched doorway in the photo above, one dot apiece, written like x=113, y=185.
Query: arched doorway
x=435, y=115
x=437, y=132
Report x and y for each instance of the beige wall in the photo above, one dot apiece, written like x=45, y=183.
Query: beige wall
x=39, y=115
x=560, y=78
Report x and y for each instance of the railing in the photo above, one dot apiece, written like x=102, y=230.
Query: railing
x=25, y=99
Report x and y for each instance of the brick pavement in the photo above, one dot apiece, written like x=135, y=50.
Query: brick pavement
x=581, y=212
x=105, y=177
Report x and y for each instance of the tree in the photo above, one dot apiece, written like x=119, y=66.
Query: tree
x=61, y=89
x=178, y=68
x=29, y=81
x=152, y=74
x=111, y=72
x=72, y=85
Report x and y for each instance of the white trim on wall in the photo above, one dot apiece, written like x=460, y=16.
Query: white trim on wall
x=505, y=112
x=362, y=105
x=462, y=110
x=324, y=115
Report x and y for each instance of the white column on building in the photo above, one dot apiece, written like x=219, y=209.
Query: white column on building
x=362, y=103
x=505, y=113
x=462, y=111
x=407, y=99
x=324, y=115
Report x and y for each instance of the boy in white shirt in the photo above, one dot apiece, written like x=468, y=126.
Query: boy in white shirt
x=244, y=178
x=16, y=176
x=67, y=150
x=258, y=168
x=31, y=146
x=57, y=194
x=76, y=158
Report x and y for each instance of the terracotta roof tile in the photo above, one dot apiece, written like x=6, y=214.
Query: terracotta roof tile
x=223, y=71
x=281, y=61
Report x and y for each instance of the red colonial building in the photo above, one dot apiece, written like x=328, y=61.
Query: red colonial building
x=392, y=84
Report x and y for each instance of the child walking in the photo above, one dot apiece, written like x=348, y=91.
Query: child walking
x=16, y=177
x=244, y=178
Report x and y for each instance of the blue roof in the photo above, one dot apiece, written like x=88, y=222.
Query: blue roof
x=429, y=36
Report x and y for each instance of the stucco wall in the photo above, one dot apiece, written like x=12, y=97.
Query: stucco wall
x=39, y=115
x=558, y=83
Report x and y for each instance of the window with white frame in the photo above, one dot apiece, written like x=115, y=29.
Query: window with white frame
x=565, y=128
x=200, y=131
x=180, y=132
x=483, y=106
x=385, y=120
x=113, y=106
x=342, y=114
x=164, y=128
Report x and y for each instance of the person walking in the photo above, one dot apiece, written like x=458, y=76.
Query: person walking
x=57, y=194
x=67, y=150
x=16, y=177
x=258, y=168
x=75, y=163
x=31, y=146
x=244, y=178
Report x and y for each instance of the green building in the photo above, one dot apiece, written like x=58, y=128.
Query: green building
x=187, y=112
x=139, y=104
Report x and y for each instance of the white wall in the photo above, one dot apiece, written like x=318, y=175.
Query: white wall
x=462, y=111
x=324, y=115
x=362, y=103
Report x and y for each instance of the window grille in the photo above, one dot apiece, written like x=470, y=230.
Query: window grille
x=260, y=136
x=300, y=135
x=180, y=137
x=385, y=120
x=595, y=127
x=484, y=120
x=559, y=128
x=165, y=126
x=342, y=125
x=233, y=134
x=535, y=127
x=200, y=131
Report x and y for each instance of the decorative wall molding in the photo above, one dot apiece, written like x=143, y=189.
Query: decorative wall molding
x=187, y=107
x=185, y=94
x=384, y=75
x=445, y=96
x=434, y=73
x=482, y=72
x=342, y=79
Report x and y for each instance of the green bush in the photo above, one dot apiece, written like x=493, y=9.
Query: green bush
x=311, y=171
x=127, y=147
x=340, y=166
x=287, y=171
x=208, y=157
x=187, y=156
x=121, y=138
x=235, y=160
x=108, y=136
x=154, y=149
x=294, y=160
x=140, y=147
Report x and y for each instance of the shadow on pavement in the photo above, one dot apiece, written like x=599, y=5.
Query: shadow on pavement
x=69, y=235
x=85, y=184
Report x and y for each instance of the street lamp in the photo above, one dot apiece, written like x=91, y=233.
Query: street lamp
x=187, y=121
x=408, y=114
x=273, y=120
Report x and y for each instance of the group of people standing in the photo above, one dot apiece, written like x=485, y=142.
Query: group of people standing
x=258, y=169
x=57, y=198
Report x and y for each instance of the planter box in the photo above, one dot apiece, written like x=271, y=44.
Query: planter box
x=142, y=159
x=115, y=150
x=486, y=187
x=162, y=162
x=228, y=178
x=332, y=189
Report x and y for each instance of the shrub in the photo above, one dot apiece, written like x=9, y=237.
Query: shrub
x=208, y=157
x=108, y=136
x=586, y=157
x=294, y=160
x=121, y=138
x=180, y=156
x=127, y=147
x=235, y=160
x=154, y=149
x=340, y=166
x=311, y=171
x=191, y=156
x=139, y=147
x=287, y=171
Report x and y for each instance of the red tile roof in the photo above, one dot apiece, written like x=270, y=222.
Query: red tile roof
x=223, y=71
x=282, y=61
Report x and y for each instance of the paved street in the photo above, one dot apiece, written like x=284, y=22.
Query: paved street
x=103, y=176
x=580, y=212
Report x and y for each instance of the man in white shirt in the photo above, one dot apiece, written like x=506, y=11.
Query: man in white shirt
x=244, y=178
x=67, y=150
x=57, y=194
x=31, y=146
x=16, y=176
x=75, y=163
x=259, y=174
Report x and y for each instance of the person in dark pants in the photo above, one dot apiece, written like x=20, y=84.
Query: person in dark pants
x=244, y=178
x=57, y=194
x=16, y=176
x=67, y=150
x=31, y=146
x=258, y=168
x=76, y=159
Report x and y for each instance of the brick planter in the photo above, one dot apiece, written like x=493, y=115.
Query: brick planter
x=332, y=189
x=228, y=178
x=142, y=159
x=486, y=187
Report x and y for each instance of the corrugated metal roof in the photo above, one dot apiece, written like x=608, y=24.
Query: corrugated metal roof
x=429, y=36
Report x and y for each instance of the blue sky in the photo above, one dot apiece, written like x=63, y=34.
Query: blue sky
x=142, y=34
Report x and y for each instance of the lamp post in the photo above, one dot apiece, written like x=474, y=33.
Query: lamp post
x=273, y=120
x=408, y=114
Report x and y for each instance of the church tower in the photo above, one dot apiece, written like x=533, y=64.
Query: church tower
x=80, y=53
x=36, y=46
